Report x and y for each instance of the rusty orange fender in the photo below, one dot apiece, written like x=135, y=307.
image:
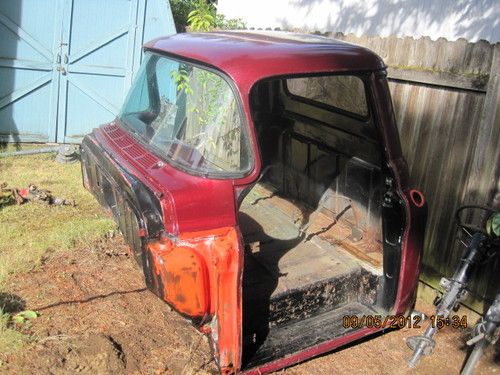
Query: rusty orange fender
x=199, y=275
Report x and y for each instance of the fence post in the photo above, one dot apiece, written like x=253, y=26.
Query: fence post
x=485, y=169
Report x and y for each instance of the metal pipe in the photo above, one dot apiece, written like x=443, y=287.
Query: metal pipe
x=454, y=292
x=474, y=358
x=34, y=151
x=489, y=327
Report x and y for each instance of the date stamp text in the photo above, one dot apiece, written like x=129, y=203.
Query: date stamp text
x=402, y=321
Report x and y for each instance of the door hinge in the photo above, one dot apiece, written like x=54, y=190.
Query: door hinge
x=389, y=196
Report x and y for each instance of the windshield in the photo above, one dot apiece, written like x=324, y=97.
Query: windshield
x=189, y=115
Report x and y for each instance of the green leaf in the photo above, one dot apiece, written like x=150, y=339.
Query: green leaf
x=22, y=316
x=18, y=319
x=493, y=225
x=29, y=314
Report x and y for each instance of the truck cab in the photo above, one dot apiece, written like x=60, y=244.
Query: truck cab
x=259, y=181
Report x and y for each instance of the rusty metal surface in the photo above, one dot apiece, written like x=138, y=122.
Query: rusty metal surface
x=295, y=280
x=321, y=222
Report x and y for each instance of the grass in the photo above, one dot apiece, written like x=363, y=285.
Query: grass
x=32, y=231
x=10, y=339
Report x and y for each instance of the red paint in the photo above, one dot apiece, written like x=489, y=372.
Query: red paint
x=183, y=195
x=412, y=246
x=417, y=198
x=24, y=192
x=248, y=58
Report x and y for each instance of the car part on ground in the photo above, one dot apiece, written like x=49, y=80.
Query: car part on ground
x=480, y=248
x=67, y=154
x=31, y=194
x=9, y=195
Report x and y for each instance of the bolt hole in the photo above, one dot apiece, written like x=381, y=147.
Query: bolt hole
x=417, y=198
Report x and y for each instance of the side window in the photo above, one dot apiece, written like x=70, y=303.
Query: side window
x=212, y=122
x=139, y=96
x=190, y=115
x=346, y=93
x=165, y=69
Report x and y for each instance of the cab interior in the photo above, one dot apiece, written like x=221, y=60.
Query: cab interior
x=313, y=222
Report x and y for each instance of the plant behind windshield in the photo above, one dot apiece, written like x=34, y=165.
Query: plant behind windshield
x=189, y=114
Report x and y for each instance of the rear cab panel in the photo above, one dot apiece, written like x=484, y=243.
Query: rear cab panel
x=276, y=216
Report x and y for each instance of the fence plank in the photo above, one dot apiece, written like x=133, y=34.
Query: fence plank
x=446, y=98
x=440, y=79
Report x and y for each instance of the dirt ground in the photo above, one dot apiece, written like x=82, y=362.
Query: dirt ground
x=96, y=317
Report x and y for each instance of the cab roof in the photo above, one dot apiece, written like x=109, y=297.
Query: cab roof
x=251, y=56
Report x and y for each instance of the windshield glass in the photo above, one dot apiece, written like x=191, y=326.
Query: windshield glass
x=190, y=115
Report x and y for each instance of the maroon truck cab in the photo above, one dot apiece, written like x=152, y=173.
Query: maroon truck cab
x=259, y=181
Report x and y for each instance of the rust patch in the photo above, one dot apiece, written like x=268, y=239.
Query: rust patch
x=323, y=223
x=199, y=274
x=185, y=287
x=180, y=298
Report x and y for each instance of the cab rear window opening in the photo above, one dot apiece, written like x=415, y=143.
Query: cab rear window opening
x=190, y=116
x=344, y=94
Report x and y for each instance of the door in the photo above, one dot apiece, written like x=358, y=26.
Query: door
x=66, y=65
x=97, y=52
x=30, y=31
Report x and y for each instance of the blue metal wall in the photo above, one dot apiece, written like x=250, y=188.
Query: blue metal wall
x=66, y=65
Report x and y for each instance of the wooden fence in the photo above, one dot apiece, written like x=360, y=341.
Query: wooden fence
x=446, y=97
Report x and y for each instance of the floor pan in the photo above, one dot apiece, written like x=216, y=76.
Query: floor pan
x=300, y=335
x=289, y=276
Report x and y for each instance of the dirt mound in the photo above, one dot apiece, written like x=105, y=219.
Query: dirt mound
x=95, y=354
x=97, y=317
